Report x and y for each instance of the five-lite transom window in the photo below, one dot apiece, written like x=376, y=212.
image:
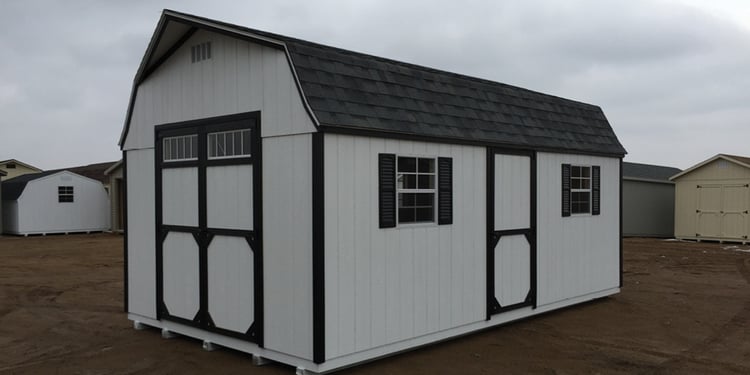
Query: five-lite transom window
x=181, y=148
x=229, y=144
x=65, y=194
x=580, y=189
x=415, y=185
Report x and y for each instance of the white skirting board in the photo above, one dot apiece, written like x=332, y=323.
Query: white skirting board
x=332, y=364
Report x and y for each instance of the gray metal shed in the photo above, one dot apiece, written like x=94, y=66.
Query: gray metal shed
x=648, y=200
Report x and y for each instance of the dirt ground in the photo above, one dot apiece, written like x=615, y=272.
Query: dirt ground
x=684, y=309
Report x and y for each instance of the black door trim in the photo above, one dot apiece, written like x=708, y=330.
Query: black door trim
x=204, y=234
x=493, y=236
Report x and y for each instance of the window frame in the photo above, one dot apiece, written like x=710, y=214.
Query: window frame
x=588, y=190
x=417, y=173
x=65, y=192
x=194, y=148
x=242, y=144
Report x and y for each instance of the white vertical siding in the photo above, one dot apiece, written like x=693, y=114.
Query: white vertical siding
x=41, y=212
x=181, y=275
x=179, y=196
x=229, y=197
x=240, y=77
x=512, y=192
x=140, y=232
x=287, y=244
x=230, y=283
x=577, y=255
x=388, y=285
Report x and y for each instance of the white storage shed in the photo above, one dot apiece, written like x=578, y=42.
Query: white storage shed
x=322, y=207
x=54, y=202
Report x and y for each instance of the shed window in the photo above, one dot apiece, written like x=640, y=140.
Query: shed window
x=65, y=194
x=415, y=185
x=181, y=148
x=580, y=190
x=10, y=165
x=229, y=144
x=414, y=190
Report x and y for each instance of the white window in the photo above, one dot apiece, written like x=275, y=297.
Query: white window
x=580, y=189
x=181, y=148
x=229, y=144
x=415, y=186
x=65, y=194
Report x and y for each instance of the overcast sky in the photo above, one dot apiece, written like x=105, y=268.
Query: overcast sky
x=672, y=76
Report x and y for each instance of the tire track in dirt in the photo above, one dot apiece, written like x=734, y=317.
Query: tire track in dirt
x=738, y=322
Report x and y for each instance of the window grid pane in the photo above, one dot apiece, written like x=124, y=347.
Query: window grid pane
x=180, y=148
x=229, y=144
x=415, y=182
x=580, y=190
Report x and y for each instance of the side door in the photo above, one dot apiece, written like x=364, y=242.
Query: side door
x=511, y=242
x=209, y=248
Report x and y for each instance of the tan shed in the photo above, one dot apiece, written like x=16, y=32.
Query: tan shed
x=712, y=200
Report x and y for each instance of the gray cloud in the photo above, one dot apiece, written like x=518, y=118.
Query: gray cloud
x=672, y=79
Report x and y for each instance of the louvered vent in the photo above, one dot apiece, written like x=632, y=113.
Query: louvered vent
x=200, y=52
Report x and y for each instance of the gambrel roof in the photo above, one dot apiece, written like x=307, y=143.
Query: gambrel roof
x=356, y=93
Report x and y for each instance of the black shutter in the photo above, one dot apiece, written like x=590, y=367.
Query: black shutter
x=595, y=190
x=387, y=190
x=445, y=191
x=566, y=189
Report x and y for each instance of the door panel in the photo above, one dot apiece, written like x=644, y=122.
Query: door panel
x=181, y=282
x=512, y=264
x=229, y=197
x=180, y=196
x=734, y=211
x=230, y=283
x=512, y=193
x=709, y=207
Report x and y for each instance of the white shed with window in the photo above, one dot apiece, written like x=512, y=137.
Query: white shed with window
x=321, y=207
x=54, y=202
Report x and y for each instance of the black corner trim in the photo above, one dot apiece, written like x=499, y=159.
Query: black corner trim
x=318, y=247
x=445, y=190
x=595, y=190
x=387, y=190
x=565, y=190
x=124, y=225
x=620, y=216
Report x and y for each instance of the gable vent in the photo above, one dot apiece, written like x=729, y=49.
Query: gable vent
x=200, y=52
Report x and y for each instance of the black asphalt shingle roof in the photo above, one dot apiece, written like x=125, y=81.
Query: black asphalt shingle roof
x=348, y=90
x=13, y=187
x=648, y=171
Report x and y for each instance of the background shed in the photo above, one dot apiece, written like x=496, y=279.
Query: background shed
x=713, y=199
x=648, y=200
x=54, y=202
x=2, y=174
x=14, y=168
